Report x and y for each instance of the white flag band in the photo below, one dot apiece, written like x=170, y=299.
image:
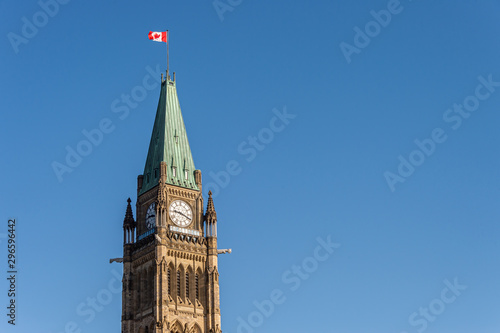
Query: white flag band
x=158, y=36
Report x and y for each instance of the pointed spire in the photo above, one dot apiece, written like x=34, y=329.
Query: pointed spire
x=210, y=215
x=129, y=216
x=169, y=143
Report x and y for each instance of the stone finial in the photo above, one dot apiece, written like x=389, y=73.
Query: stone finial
x=210, y=215
x=129, y=216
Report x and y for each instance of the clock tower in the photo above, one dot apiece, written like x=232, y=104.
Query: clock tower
x=170, y=269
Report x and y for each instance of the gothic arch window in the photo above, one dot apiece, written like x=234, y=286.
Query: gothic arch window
x=142, y=293
x=150, y=289
x=201, y=285
x=197, y=286
x=169, y=284
x=145, y=294
x=151, y=285
x=138, y=284
x=179, y=283
x=187, y=286
x=171, y=280
x=177, y=328
x=144, y=279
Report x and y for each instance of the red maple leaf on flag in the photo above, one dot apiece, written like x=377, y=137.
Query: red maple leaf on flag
x=158, y=36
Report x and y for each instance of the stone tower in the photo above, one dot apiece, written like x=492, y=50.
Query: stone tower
x=170, y=274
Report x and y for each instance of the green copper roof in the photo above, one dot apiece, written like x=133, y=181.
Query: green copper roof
x=169, y=143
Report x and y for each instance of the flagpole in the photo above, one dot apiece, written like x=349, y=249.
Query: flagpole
x=168, y=75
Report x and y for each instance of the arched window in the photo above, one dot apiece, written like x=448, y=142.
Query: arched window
x=144, y=288
x=139, y=290
x=179, y=283
x=177, y=328
x=151, y=286
x=187, y=285
x=197, y=286
x=169, y=289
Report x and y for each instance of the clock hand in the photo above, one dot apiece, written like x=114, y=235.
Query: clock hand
x=176, y=211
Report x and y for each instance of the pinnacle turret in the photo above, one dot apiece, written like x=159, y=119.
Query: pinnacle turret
x=210, y=215
x=129, y=216
x=129, y=225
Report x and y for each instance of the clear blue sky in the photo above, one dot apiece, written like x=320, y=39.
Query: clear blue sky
x=366, y=95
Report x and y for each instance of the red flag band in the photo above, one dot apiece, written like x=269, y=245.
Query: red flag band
x=158, y=36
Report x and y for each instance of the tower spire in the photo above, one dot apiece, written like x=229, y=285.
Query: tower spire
x=169, y=143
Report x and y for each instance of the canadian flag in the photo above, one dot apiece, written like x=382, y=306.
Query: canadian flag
x=158, y=36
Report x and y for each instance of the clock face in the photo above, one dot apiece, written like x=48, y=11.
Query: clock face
x=180, y=213
x=151, y=216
